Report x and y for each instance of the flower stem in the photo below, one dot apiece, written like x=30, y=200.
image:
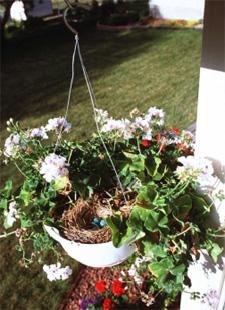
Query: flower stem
x=20, y=170
x=7, y=234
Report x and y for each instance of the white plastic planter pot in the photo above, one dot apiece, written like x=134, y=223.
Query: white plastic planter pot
x=93, y=255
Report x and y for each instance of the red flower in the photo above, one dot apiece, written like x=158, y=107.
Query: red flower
x=100, y=286
x=118, y=288
x=108, y=304
x=176, y=130
x=145, y=143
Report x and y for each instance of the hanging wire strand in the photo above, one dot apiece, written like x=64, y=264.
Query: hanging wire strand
x=94, y=106
x=91, y=94
x=69, y=93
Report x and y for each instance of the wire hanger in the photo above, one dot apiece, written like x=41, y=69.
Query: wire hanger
x=71, y=6
x=89, y=87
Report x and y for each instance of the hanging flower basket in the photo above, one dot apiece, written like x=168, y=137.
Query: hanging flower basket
x=129, y=191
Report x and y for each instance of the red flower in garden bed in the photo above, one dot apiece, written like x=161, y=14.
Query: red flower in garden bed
x=100, y=286
x=118, y=288
x=108, y=304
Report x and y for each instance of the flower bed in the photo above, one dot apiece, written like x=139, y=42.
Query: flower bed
x=154, y=23
x=135, y=182
x=172, y=23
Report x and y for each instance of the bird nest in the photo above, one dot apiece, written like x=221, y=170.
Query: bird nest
x=79, y=217
x=78, y=225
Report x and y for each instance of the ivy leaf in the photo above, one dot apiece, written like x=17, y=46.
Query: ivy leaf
x=119, y=229
x=215, y=251
x=25, y=196
x=154, y=250
x=200, y=204
x=137, y=162
x=147, y=195
x=183, y=205
x=25, y=222
x=162, y=268
x=7, y=190
x=137, y=218
x=155, y=221
x=152, y=165
x=3, y=204
x=178, y=270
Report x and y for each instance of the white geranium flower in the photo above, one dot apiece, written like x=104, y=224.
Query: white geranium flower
x=101, y=116
x=12, y=145
x=155, y=116
x=141, y=124
x=132, y=270
x=197, y=169
x=120, y=127
x=113, y=124
x=11, y=215
x=53, y=167
x=39, y=133
x=55, y=272
x=140, y=260
x=58, y=124
x=133, y=273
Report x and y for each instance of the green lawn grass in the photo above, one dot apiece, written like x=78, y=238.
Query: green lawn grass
x=138, y=68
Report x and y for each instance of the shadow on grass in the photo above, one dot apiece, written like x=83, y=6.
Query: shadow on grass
x=36, y=68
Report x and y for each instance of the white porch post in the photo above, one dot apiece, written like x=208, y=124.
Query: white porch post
x=210, y=142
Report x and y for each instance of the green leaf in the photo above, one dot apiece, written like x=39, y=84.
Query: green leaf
x=118, y=227
x=183, y=205
x=215, y=251
x=3, y=204
x=25, y=196
x=178, y=270
x=147, y=195
x=7, y=190
x=25, y=222
x=155, y=221
x=60, y=183
x=154, y=250
x=200, y=204
x=162, y=268
x=137, y=218
x=137, y=162
x=152, y=165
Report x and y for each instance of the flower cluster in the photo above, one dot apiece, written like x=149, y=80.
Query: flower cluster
x=18, y=139
x=142, y=125
x=108, y=299
x=59, y=124
x=39, y=133
x=196, y=169
x=133, y=270
x=53, y=167
x=55, y=272
x=13, y=145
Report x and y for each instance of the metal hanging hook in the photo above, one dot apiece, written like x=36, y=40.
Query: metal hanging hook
x=71, y=6
x=65, y=15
